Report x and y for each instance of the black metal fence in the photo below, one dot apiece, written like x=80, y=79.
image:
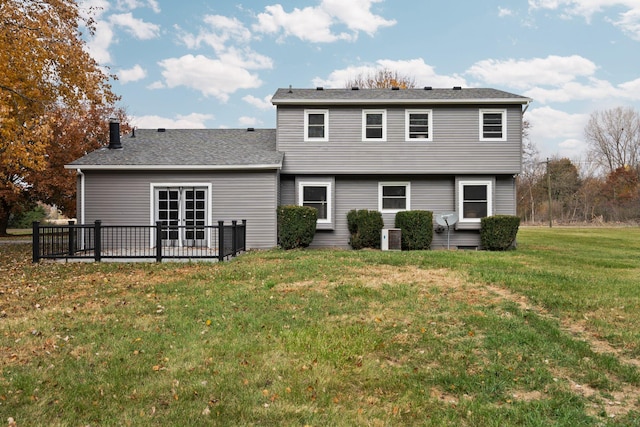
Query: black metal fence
x=150, y=242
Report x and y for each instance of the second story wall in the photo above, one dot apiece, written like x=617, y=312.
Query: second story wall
x=454, y=143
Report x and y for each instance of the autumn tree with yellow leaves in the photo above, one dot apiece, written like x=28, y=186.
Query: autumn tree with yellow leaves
x=54, y=102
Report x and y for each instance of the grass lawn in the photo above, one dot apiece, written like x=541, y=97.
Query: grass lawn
x=548, y=334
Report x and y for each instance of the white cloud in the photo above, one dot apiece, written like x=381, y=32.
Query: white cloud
x=315, y=24
x=134, y=4
x=557, y=127
x=223, y=75
x=262, y=104
x=156, y=85
x=547, y=123
x=572, y=148
x=356, y=15
x=594, y=89
x=522, y=74
x=190, y=121
x=211, y=77
x=221, y=30
x=502, y=12
x=136, y=27
x=132, y=74
x=245, y=58
x=98, y=45
x=310, y=24
x=628, y=21
x=248, y=121
x=631, y=89
x=424, y=74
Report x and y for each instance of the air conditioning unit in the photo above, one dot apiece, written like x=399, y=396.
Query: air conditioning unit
x=391, y=239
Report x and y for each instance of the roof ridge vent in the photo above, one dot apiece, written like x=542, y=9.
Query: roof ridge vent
x=428, y=88
x=162, y=130
x=395, y=88
x=251, y=129
x=457, y=88
x=319, y=88
x=355, y=88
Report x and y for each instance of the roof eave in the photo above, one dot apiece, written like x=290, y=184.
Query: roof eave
x=301, y=101
x=265, y=166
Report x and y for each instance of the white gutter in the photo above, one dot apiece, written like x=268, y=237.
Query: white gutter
x=421, y=101
x=176, y=167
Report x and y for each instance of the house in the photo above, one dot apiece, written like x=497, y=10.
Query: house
x=444, y=150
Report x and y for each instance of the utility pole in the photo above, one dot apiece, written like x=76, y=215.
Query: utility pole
x=549, y=191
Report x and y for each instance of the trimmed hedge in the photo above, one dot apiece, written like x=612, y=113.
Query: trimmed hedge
x=296, y=226
x=417, y=229
x=365, y=227
x=498, y=232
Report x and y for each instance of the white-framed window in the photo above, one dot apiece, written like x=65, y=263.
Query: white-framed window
x=418, y=125
x=474, y=200
x=316, y=195
x=394, y=196
x=493, y=125
x=316, y=125
x=374, y=125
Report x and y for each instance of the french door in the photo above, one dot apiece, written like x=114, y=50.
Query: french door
x=183, y=213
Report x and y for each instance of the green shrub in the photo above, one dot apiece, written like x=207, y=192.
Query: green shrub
x=417, y=229
x=498, y=232
x=26, y=218
x=296, y=226
x=365, y=227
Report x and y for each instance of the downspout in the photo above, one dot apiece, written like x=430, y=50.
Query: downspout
x=81, y=175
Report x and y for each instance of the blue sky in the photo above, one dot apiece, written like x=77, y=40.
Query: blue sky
x=213, y=64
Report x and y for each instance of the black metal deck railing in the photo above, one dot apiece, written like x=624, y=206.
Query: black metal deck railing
x=150, y=242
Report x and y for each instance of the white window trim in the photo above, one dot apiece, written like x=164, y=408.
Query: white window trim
x=407, y=125
x=306, y=125
x=302, y=184
x=461, y=185
x=152, y=202
x=504, y=124
x=394, y=184
x=384, y=125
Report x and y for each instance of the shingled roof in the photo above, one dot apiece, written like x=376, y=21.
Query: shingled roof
x=189, y=149
x=425, y=95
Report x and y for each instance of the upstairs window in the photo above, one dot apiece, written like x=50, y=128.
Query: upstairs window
x=316, y=195
x=418, y=125
x=493, y=125
x=374, y=125
x=394, y=196
x=475, y=200
x=316, y=125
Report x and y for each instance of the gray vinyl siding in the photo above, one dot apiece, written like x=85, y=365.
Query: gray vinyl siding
x=456, y=147
x=505, y=196
x=123, y=198
x=432, y=193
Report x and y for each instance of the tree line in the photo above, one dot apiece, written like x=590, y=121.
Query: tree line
x=603, y=188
